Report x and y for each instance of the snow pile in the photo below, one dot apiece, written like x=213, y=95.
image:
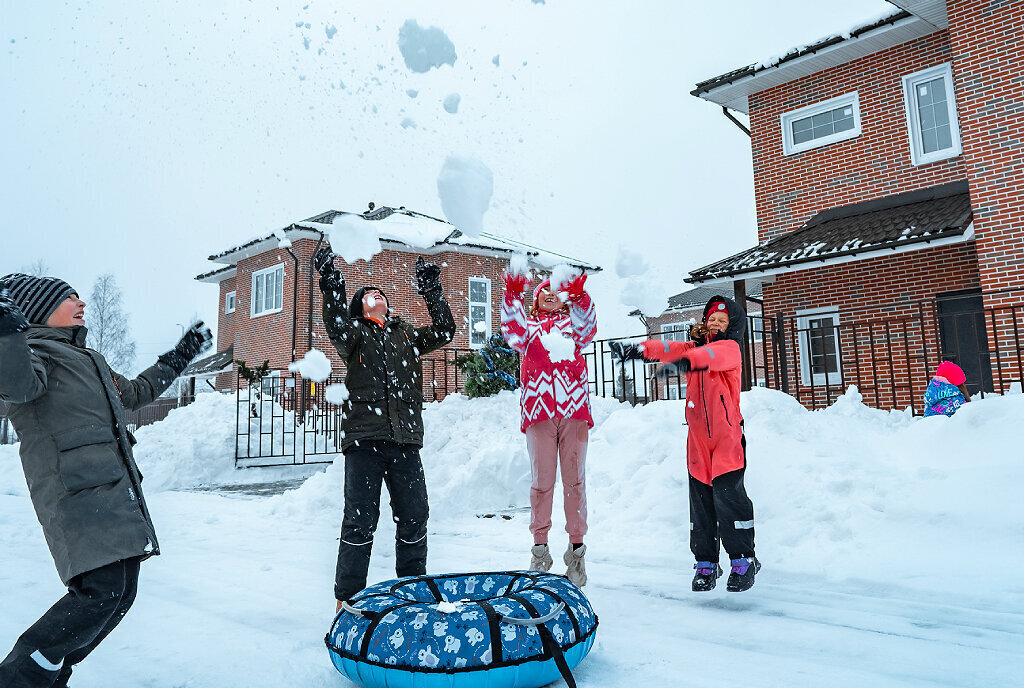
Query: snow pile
x=314, y=366
x=465, y=186
x=559, y=347
x=424, y=49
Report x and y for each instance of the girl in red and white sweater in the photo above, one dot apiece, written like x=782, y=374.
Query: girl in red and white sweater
x=555, y=405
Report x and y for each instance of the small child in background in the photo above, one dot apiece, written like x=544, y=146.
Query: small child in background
x=947, y=391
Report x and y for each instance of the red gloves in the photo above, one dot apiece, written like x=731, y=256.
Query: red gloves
x=575, y=287
x=515, y=284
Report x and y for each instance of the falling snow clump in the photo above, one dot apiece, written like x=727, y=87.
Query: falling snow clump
x=424, y=48
x=465, y=186
x=451, y=103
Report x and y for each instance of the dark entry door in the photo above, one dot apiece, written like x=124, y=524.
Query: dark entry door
x=963, y=338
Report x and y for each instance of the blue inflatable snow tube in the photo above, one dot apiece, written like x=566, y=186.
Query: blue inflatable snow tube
x=509, y=629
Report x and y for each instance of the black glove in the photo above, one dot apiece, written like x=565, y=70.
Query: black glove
x=626, y=352
x=674, y=369
x=323, y=261
x=196, y=340
x=428, y=276
x=12, y=320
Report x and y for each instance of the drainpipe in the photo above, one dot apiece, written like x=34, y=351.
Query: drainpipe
x=732, y=118
x=295, y=298
x=311, y=271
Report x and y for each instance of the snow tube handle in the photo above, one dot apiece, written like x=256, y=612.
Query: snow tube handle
x=533, y=621
x=355, y=611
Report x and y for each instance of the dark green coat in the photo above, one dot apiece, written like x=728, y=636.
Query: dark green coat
x=67, y=406
x=384, y=375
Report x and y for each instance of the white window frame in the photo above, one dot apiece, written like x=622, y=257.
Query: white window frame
x=787, y=119
x=910, y=82
x=253, y=313
x=469, y=311
x=230, y=300
x=756, y=335
x=804, y=346
x=673, y=327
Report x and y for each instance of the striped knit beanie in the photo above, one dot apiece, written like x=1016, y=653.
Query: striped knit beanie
x=36, y=297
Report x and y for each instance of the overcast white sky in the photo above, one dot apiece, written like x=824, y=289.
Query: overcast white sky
x=139, y=138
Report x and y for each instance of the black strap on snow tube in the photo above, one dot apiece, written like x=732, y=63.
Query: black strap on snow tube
x=551, y=647
x=511, y=583
x=494, y=623
x=568, y=610
x=432, y=586
x=365, y=645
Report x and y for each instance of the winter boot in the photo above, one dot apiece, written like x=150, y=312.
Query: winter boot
x=540, y=558
x=742, y=575
x=577, y=572
x=707, y=575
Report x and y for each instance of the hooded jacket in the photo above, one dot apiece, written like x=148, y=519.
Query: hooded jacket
x=713, y=384
x=67, y=406
x=383, y=372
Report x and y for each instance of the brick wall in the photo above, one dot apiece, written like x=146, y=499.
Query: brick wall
x=986, y=38
x=789, y=189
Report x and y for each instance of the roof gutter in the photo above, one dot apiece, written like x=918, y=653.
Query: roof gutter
x=732, y=118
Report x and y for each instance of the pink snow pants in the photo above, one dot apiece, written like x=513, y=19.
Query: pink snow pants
x=550, y=442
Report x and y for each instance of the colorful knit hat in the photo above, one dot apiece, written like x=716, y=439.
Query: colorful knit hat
x=952, y=372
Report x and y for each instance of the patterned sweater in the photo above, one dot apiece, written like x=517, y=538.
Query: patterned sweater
x=551, y=389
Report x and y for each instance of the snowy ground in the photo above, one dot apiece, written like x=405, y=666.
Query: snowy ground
x=891, y=549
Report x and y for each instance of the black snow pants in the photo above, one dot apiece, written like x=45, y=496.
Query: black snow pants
x=721, y=513
x=96, y=602
x=400, y=468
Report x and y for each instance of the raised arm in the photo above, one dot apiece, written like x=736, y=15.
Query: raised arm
x=152, y=382
x=513, y=313
x=721, y=355
x=442, y=323
x=22, y=372
x=341, y=330
x=581, y=312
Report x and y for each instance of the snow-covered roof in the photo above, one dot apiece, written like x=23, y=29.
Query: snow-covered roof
x=218, y=275
x=399, y=227
x=220, y=362
x=909, y=221
x=911, y=19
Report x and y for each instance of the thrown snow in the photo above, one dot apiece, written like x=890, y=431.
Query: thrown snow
x=314, y=366
x=651, y=298
x=629, y=263
x=559, y=347
x=336, y=393
x=353, y=238
x=519, y=264
x=465, y=186
x=480, y=326
x=451, y=103
x=424, y=48
x=408, y=123
x=561, y=275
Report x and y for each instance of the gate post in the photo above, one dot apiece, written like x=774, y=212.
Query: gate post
x=739, y=293
x=780, y=351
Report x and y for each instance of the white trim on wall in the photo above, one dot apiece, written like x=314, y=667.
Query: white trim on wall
x=804, y=318
x=918, y=129
x=229, y=302
x=259, y=289
x=846, y=103
x=486, y=304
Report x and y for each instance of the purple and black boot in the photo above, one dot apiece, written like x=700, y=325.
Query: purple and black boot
x=742, y=575
x=708, y=573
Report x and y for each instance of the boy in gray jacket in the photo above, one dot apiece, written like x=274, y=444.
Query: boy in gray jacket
x=67, y=407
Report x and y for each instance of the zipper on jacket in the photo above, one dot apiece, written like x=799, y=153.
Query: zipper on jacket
x=704, y=403
x=722, y=397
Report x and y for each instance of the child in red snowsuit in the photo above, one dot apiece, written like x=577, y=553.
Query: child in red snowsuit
x=555, y=406
x=720, y=510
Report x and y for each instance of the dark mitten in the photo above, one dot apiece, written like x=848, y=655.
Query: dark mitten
x=11, y=318
x=675, y=369
x=196, y=340
x=626, y=352
x=330, y=277
x=428, y=276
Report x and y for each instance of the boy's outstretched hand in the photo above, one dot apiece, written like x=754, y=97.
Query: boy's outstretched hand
x=428, y=276
x=12, y=320
x=196, y=340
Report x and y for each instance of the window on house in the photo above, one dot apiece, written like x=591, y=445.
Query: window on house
x=931, y=115
x=820, y=124
x=676, y=332
x=818, y=335
x=229, y=302
x=479, y=311
x=267, y=290
x=756, y=324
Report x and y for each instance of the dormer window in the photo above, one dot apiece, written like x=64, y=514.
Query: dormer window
x=820, y=124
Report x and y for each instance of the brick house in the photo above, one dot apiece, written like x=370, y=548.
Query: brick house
x=270, y=302
x=889, y=190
